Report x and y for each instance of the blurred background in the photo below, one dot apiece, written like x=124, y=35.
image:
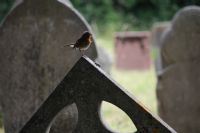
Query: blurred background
x=115, y=22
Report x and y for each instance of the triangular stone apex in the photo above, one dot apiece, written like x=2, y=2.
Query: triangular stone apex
x=87, y=86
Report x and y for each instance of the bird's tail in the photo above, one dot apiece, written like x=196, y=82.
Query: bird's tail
x=69, y=45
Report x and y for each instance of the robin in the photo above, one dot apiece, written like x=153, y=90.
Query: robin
x=83, y=43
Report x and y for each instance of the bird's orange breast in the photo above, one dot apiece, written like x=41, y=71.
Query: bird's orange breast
x=90, y=39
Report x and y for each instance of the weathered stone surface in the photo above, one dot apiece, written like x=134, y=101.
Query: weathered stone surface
x=178, y=94
x=179, y=80
x=181, y=39
x=87, y=86
x=104, y=59
x=33, y=59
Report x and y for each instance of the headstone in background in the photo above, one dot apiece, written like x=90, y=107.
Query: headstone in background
x=132, y=50
x=156, y=35
x=157, y=31
x=33, y=60
x=178, y=86
x=104, y=59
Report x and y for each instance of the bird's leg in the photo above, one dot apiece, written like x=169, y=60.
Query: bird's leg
x=81, y=51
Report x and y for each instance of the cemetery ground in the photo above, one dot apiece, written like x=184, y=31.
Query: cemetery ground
x=141, y=84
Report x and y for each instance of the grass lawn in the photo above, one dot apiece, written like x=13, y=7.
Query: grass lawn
x=1, y=131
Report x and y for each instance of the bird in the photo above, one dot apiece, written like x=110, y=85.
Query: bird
x=83, y=43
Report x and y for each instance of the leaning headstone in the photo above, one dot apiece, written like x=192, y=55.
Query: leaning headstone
x=156, y=35
x=178, y=83
x=104, y=59
x=157, y=31
x=33, y=59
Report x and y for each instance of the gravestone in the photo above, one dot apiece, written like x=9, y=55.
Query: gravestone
x=156, y=35
x=178, y=88
x=157, y=31
x=104, y=59
x=33, y=59
x=132, y=50
x=88, y=86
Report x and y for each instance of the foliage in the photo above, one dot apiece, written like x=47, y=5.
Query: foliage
x=126, y=14
x=98, y=12
x=4, y=7
x=121, y=14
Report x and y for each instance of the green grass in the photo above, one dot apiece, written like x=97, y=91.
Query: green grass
x=116, y=119
x=141, y=84
x=1, y=131
x=107, y=44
